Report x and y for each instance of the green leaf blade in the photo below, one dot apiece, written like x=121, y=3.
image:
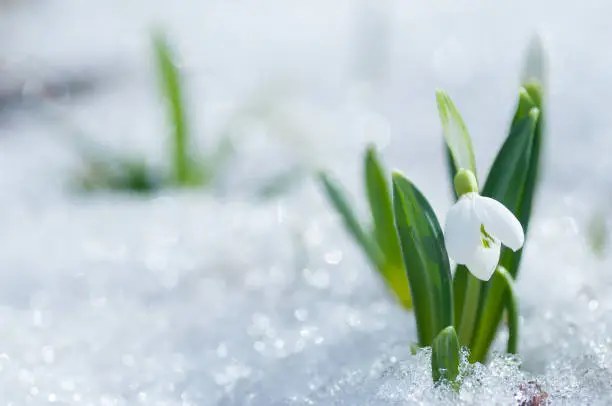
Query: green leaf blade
x=384, y=233
x=512, y=309
x=502, y=286
x=508, y=174
x=425, y=259
x=170, y=85
x=379, y=198
x=512, y=181
x=460, y=279
x=456, y=134
x=533, y=172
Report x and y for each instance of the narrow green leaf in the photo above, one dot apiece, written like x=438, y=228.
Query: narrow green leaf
x=505, y=183
x=512, y=310
x=425, y=259
x=535, y=92
x=455, y=133
x=508, y=174
x=169, y=77
x=338, y=199
x=379, y=198
x=445, y=356
x=466, y=326
x=460, y=280
x=597, y=232
x=512, y=180
x=502, y=287
x=508, y=182
x=534, y=79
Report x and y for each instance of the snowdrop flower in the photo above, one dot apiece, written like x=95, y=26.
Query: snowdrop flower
x=476, y=226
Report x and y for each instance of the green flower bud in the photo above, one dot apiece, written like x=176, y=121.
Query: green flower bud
x=465, y=182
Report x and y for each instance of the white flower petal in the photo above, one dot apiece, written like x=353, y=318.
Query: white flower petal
x=462, y=230
x=499, y=222
x=484, y=261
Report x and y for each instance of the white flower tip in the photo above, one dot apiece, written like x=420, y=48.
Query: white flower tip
x=484, y=263
x=481, y=274
x=516, y=238
x=517, y=243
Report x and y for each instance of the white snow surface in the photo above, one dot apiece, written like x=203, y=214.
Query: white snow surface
x=218, y=298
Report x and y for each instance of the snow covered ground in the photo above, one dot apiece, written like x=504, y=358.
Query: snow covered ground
x=197, y=298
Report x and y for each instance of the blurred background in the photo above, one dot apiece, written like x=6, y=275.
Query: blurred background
x=316, y=80
x=210, y=294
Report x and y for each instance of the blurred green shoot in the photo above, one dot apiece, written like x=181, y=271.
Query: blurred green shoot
x=597, y=233
x=105, y=169
x=184, y=171
x=121, y=174
x=116, y=172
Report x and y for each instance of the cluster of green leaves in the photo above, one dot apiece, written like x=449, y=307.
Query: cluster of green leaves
x=117, y=172
x=454, y=310
x=379, y=242
x=462, y=310
x=512, y=180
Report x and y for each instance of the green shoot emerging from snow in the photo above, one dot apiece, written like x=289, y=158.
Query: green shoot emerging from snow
x=116, y=172
x=466, y=310
x=483, y=234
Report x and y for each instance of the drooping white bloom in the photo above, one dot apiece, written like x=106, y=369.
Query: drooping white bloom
x=475, y=228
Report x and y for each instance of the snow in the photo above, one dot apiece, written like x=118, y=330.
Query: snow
x=220, y=298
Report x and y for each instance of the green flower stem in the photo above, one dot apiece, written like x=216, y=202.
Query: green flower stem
x=513, y=321
x=470, y=308
x=502, y=286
